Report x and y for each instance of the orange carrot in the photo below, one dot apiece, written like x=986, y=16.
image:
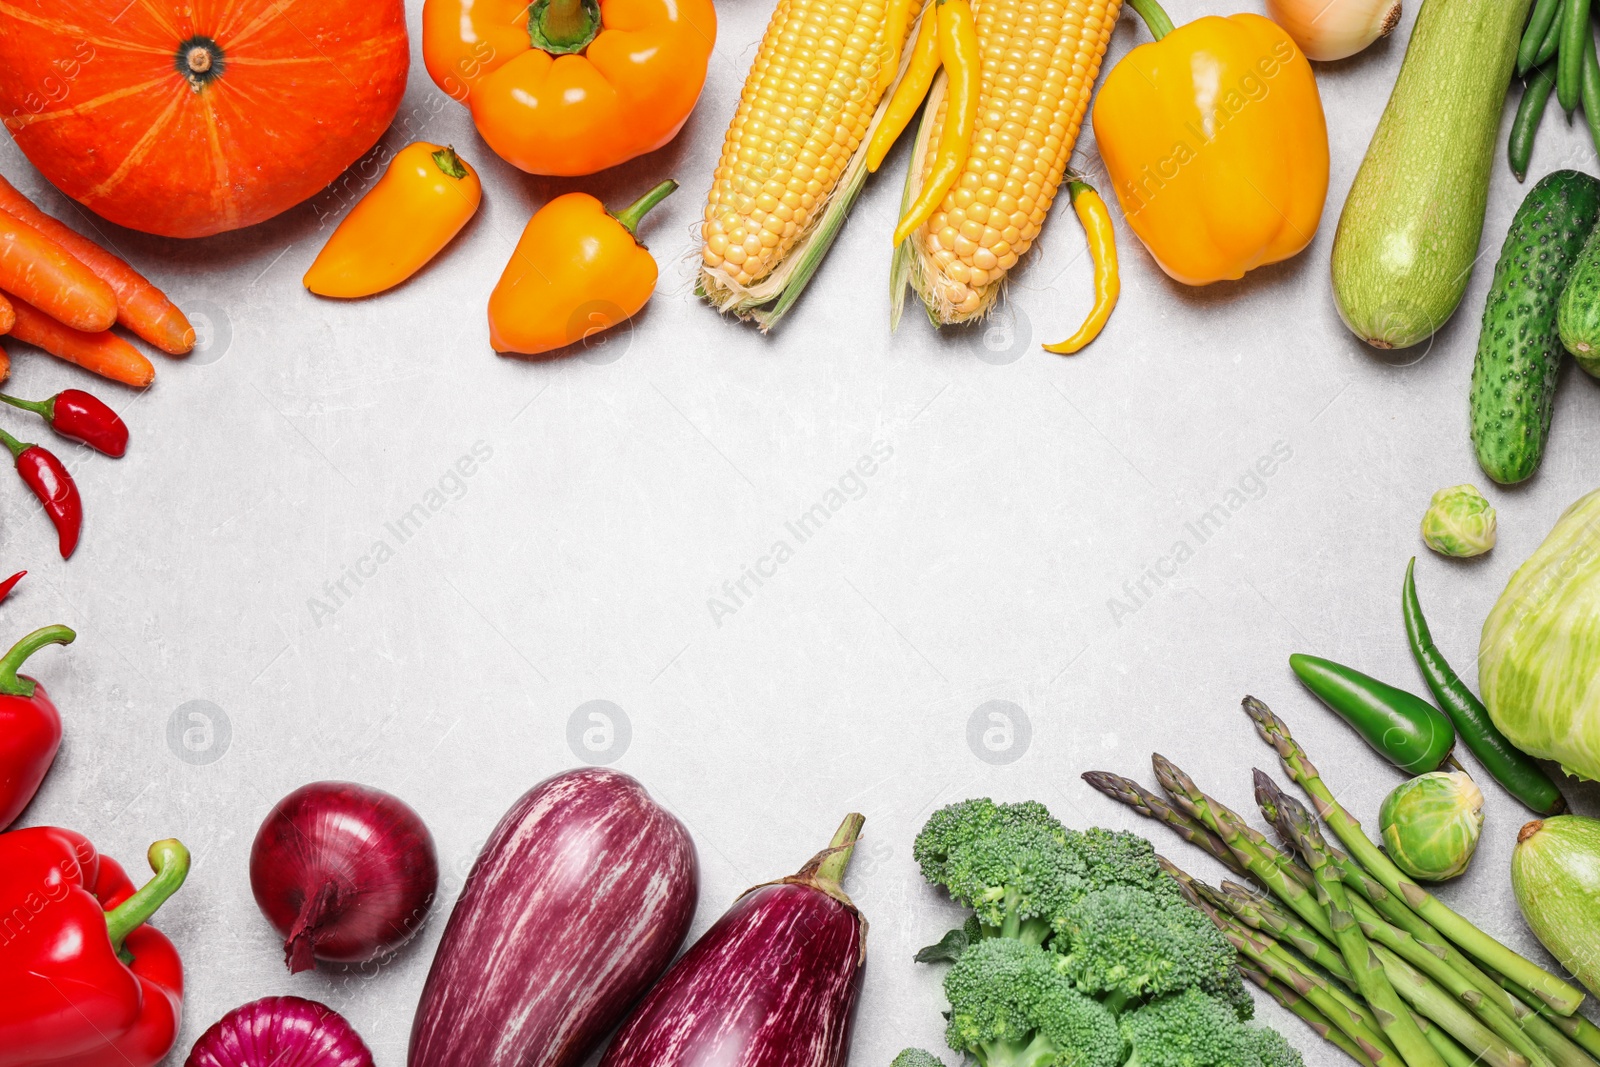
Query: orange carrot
x=141, y=307
x=8, y=317
x=52, y=279
x=5, y=364
x=105, y=354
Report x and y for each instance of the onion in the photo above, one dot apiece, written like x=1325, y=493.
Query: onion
x=280, y=1032
x=1335, y=29
x=345, y=873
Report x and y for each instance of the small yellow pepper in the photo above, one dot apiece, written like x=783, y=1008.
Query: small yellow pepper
x=422, y=201
x=958, y=54
x=895, y=22
x=1216, y=144
x=909, y=93
x=578, y=269
x=1096, y=219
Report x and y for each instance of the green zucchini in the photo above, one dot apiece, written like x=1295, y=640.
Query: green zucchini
x=1409, y=231
x=1519, y=347
x=1578, y=318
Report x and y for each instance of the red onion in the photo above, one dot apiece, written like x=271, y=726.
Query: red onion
x=345, y=873
x=280, y=1032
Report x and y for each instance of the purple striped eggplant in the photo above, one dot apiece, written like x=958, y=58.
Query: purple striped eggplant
x=578, y=902
x=772, y=984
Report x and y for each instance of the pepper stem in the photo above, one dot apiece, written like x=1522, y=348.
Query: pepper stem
x=11, y=662
x=563, y=26
x=840, y=848
x=170, y=860
x=46, y=409
x=448, y=163
x=634, y=213
x=17, y=447
x=1159, y=22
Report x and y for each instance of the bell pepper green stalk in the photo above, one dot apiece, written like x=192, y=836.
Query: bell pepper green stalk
x=1561, y=996
x=170, y=862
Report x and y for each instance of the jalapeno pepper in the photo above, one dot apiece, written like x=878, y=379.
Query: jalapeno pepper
x=79, y=416
x=1406, y=730
x=47, y=476
x=1518, y=773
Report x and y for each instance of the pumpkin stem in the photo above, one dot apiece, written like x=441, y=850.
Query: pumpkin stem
x=199, y=59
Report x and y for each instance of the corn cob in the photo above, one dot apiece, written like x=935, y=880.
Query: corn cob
x=793, y=160
x=1040, y=59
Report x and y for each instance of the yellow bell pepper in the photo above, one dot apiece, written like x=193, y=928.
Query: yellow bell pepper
x=1214, y=139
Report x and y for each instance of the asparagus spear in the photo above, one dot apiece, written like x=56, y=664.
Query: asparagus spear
x=1289, y=815
x=1126, y=791
x=1261, y=914
x=1560, y=995
x=1303, y=1008
x=1281, y=965
x=1365, y=964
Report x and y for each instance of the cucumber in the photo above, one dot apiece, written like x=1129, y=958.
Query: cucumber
x=1409, y=231
x=1519, y=347
x=1579, y=316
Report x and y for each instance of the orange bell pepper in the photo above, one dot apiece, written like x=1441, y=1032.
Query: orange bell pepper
x=1216, y=144
x=577, y=270
x=419, y=205
x=569, y=87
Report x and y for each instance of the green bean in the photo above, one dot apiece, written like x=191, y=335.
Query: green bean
x=1544, y=16
x=1529, y=113
x=1569, y=74
x=1591, y=88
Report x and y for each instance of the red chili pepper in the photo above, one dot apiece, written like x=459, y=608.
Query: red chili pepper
x=87, y=983
x=30, y=727
x=48, y=478
x=79, y=416
x=5, y=591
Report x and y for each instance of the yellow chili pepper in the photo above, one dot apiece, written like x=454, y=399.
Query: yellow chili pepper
x=577, y=270
x=1096, y=220
x=958, y=54
x=422, y=201
x=909, y=94
x=894, y=35
x=1216, y=144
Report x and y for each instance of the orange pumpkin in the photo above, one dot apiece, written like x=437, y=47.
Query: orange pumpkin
x=190, y=117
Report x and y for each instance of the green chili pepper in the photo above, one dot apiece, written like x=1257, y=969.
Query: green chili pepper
x=1552, y=42
x=1520, y=775
x=1526, y=125
x=1569, y=72
x=1543, y=17
x=1406, y=730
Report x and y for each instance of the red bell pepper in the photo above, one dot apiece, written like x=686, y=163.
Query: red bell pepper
x=30, y=726
x=86, y=983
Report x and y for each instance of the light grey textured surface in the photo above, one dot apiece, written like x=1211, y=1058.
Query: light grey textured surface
x=623, y=489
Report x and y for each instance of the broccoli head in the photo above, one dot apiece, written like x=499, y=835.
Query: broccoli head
x=1116, y=857
x=1011, y=1006
x=1010, y=863
x=1191, y=1029
x=1125, y=944
x=916, y=1057
x=1273, y=1050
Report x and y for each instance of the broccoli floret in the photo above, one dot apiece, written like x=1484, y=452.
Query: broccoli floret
x=1116, y=857
x=1010, y=1006
x=1125, y=944
x=1008, y=862
x=1189, y=1029
x=1274, y=1051
x=916, y=1057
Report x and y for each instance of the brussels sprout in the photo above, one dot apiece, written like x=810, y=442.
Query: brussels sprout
x=1539, y=658
x=1431, y=824
x=1459, y=522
